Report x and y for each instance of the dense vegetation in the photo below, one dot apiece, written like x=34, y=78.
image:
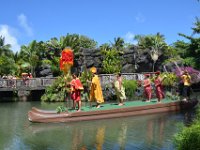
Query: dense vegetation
x=36, y=54
x=189, y=137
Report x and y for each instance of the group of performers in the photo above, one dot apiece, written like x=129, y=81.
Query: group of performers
x=158, y=87
x=96, y=94
x=95, y=90
x=185, y=81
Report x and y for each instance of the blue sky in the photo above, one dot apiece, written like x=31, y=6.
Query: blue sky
x=22, y=21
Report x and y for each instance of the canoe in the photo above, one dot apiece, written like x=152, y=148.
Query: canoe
x=108, y=111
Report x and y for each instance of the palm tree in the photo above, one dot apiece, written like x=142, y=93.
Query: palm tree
x=118, y=43
x=5, y=48
x=29, y=54
x=196, y=29
x=157, y=45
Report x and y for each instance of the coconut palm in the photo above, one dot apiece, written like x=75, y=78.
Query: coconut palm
x=29, y=54
x=5, y=49
x=118, y=43
x=7, y=64
x=158, y=44
x=196, y=29
x=154, y=43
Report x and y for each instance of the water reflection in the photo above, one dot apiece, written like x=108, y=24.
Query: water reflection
x=141, y=132
x=122, y=136
x=152, y=131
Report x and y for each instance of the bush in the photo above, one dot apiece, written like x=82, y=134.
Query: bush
x=111, y=59
x=58, y=90
x=130, y=88
x=189, y=137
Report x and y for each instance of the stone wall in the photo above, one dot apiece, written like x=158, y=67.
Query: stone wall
x=133, y=60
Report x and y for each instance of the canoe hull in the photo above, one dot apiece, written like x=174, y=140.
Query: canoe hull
x=37, y=115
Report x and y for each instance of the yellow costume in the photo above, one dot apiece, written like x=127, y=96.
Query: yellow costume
x=95, y=89
x=119, y=92
x=186, y=80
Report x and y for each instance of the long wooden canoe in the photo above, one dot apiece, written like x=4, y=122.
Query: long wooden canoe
x=110, y=111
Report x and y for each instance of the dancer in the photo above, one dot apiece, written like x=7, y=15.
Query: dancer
x=186, y=78
x=147, y=87
x=159, y=88
x=95, y=88
x=76, y=87
x=119, y=89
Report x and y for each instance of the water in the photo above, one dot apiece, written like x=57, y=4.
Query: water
x=142, y=132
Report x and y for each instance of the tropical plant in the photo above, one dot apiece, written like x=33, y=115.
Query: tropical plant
x=58, y=90
x=189, y=137
x=5, y=49
x=61, y=109
x=190, y=51
x=86, y=76
x=7, y=63
x=30, y=55
x=154, y=43
x=118, y=43
x=111, y=61
x=7, y=66
x=130, y=87
x=170, y=79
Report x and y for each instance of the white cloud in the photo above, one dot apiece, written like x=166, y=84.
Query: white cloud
x=6, y=32
x=24, y=24
x=129, y=38
x=140, y=18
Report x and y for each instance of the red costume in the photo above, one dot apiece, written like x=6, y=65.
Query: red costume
x=147, y=88
x=159, y=88
x=76, y=87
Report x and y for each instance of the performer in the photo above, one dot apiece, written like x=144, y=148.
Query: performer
x=147, y=87
x=95, y=88
x=76, y=87
x=186, y=85
x=159, y=88
x=119, y=89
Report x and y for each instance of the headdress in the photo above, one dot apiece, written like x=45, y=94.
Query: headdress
x=146, y=75
x=93, y=70
x=157, y=72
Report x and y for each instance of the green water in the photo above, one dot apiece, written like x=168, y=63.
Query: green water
x=141, y=132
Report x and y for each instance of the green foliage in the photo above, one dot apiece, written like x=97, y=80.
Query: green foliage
x=190, y=51
x=170, y=79
x=190, y=61
x=118, y=44
x=61, y=109
x=130, y=87
x=85, y=75
x=189, y=137
x=7, y=66
x=58, y=90
x=111, y=62
x=152, y=42
x=171, y=96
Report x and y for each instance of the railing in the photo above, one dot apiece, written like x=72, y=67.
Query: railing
x=42, y=83
x=110, y=78
x=33, y=83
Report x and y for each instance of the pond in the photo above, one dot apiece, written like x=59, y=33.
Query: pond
x=141, y=132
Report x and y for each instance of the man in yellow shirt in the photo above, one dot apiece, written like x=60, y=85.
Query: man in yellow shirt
x=187, y=83
x=95, y=88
